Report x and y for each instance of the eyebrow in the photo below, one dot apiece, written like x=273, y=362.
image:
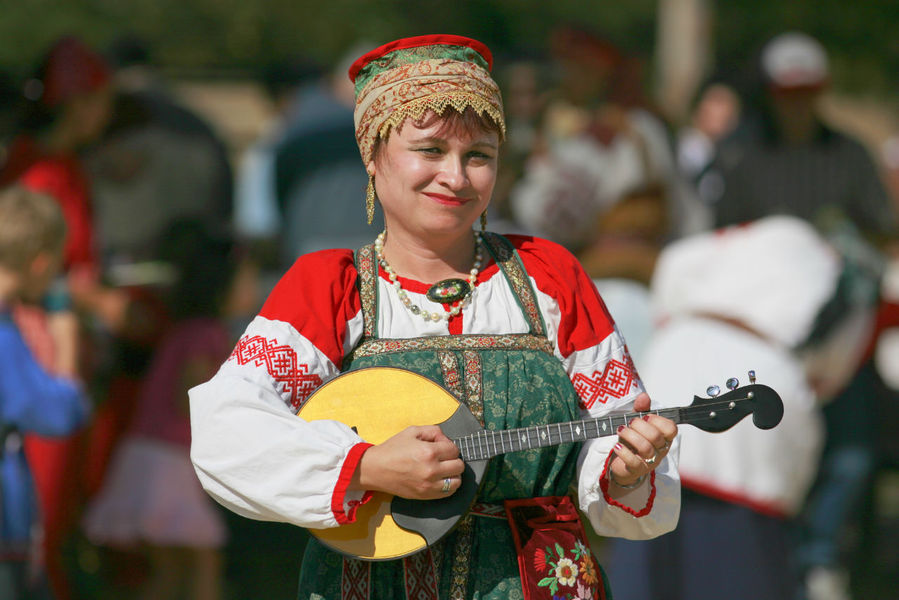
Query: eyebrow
x=439, y=140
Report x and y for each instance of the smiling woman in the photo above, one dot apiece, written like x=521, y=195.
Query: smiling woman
x=511, y=326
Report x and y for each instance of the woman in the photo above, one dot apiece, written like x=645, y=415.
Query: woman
x=525, y=340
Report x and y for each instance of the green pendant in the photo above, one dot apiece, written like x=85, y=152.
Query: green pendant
x=448, y=290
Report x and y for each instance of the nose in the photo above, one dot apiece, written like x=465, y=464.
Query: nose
x=452, y=173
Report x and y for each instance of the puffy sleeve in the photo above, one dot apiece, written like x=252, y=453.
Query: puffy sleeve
x=35, y=401
x=596, y=359
x=250, y=450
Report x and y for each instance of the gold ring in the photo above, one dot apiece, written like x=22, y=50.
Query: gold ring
x=446, y=485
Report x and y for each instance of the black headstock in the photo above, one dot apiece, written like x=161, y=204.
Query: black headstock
x=720, y=413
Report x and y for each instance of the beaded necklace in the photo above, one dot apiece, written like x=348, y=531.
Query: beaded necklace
x=447, y=290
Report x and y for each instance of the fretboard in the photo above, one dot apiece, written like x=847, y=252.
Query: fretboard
x=487, y=444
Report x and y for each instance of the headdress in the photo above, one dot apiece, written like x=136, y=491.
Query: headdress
x=410, y=76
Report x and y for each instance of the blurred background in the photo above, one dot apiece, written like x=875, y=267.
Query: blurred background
x=170, y=125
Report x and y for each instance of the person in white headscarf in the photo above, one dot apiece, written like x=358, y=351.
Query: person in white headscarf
x=758, y=297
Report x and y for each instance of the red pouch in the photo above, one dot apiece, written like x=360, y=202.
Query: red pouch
x=554, y=556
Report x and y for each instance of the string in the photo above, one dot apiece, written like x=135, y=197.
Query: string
x=684, y=414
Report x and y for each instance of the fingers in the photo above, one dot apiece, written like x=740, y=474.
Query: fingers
x=642, y=445
x=439, y=447
x=649, y=434
x=642, y=402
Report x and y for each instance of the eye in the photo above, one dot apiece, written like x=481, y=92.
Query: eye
x=430, y=151
x=479, y=156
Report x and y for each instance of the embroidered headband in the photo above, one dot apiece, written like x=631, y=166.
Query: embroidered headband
x=410, y=76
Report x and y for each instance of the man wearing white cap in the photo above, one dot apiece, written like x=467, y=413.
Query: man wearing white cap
x=790, y=162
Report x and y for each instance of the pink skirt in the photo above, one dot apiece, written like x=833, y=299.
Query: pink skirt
x=152, y=496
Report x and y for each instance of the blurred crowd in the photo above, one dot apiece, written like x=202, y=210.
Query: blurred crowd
x=751, y=234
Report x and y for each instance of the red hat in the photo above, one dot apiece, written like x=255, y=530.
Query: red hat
x=417, y=42
x=72, y=68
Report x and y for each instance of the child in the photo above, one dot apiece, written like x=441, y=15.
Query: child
x=32, y=233
x=151, y=498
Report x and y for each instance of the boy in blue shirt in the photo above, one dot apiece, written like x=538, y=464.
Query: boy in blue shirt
x=32, y=233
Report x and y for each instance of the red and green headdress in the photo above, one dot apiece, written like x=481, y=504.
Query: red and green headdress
x=411, y=76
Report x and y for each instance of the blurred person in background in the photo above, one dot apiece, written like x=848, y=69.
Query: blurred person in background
x=525, y=83
x=32, y=400
x=714, y=116
x=602, y=178
x=256, y=208
x=151, y=499
x=157, y=162
x=64, y=108
x=317, y=159
x=774, y=297
x=786, y=160
x=145, y=97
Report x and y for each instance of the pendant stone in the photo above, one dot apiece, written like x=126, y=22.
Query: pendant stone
x=448, y=290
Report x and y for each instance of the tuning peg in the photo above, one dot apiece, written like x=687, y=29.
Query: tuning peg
x=732, y=383
x=752, y=376
x=713, y=390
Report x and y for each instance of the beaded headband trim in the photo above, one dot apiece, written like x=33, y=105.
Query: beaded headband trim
x=408, y=77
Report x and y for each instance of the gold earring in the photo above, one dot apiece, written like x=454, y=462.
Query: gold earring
x=370, y=199
x=484, y=220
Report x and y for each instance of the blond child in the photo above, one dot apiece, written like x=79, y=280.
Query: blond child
x=32, y=233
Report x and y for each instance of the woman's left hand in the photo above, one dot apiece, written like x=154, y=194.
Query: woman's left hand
x=641, y=446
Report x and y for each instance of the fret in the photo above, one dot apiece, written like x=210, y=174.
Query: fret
x=571, y=429
x=529, y=437
x=559, y=427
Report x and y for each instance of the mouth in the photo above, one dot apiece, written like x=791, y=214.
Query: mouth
x=448, y=200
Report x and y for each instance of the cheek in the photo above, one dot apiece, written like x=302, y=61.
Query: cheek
x=484, y=179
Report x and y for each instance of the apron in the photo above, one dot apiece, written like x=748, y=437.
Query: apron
x=507, y=381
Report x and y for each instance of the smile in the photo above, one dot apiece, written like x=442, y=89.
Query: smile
x=448, y=200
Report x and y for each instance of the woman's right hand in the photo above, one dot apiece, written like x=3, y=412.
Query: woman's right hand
x=412, y=464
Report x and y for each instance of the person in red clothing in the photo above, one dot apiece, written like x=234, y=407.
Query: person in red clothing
x=65, y=106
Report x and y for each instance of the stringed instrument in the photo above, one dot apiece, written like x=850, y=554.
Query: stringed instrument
x=377, y=402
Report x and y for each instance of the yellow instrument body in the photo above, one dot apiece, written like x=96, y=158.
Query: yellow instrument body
x=378, y=403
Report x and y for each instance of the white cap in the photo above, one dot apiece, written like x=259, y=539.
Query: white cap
x=794, y=60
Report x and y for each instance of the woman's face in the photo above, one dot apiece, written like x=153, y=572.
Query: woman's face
x=433, y=183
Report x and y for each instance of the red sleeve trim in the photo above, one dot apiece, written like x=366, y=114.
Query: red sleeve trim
x=343, y=481
x=604, y=480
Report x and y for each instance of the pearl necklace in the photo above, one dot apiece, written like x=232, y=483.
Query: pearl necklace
x=414, y=308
